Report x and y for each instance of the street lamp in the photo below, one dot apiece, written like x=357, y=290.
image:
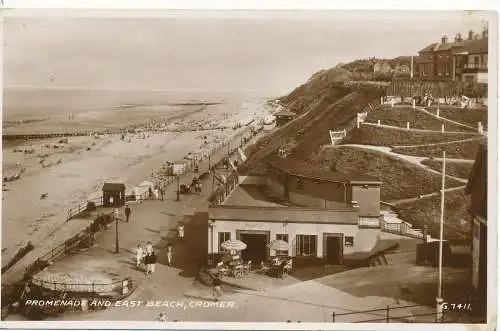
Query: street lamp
x=178, y=188
x=117, y=243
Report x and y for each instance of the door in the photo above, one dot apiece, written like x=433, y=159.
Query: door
x=256, y=241
x=334, y=250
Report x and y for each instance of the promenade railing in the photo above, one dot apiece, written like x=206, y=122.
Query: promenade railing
x=120, y=287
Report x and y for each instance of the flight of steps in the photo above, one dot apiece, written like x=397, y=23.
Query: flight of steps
x=397, y=256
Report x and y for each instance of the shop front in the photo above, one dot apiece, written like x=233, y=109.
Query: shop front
x=311, y=234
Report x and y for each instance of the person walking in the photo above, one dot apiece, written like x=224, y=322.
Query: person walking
x=147, y=261
x=152, y=260
x=216, y=284
x=139, y=255
x=170, y=254
x=149, y=248
x=162, y=192
x=180, y=231
x=127, y=212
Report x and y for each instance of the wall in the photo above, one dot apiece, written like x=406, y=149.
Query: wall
x=292, y=229
x=367, y=198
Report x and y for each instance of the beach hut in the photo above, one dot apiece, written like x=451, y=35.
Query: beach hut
x=113, y=194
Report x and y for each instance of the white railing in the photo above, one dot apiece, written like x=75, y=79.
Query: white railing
x=369, y=222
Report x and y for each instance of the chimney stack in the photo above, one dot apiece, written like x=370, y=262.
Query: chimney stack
x=485, y=33
x=471, y=34
x=444, y=40
x=458, y=38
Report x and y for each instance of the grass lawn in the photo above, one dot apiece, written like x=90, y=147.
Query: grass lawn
x=465, y=116
x=371, y=135
x=457, y=169
x=398, y=116
x=460, y=150
x=427, y=212
x=400, y=179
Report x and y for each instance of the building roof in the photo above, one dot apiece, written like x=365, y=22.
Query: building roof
x=113, y=187
x=292, y=167
x=345, y=215
x=285, y=113
x=471, y=46
x=477, y=186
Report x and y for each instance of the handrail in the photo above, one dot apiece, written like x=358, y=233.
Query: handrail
x=92, y=286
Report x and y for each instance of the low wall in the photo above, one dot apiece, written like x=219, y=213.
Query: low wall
x=253, y=180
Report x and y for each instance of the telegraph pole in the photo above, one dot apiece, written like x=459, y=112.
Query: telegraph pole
x=439, y=299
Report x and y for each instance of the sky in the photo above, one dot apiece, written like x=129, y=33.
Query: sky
x=203, y=50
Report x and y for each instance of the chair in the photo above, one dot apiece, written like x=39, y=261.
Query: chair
x=264, y=268
x=289, y=266
x=222, y=269
x=247, y=267
x=238, y=271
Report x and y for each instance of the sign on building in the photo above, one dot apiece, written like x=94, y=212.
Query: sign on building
x=177, y=168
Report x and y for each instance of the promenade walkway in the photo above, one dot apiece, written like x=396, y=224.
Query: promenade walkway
x=149, y=214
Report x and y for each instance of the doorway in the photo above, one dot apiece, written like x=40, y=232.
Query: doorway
x=256, y=241
x=334, y=248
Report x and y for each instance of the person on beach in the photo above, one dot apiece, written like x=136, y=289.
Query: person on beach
x=170, y=254
x=139, y=255
x=150, y=193
x=157, y=193
x=127, y=212
x=147, y=262
x=216, y=288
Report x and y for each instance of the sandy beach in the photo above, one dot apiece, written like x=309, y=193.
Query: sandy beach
x=56, y=175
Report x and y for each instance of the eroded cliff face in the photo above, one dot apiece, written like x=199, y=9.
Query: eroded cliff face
x=330, y=100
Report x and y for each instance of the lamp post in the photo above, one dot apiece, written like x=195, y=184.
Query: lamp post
x=117, y=243
x=178, y=188
x=211, y=224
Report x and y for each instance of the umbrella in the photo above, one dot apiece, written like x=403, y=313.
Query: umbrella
x=278, y=245
x=235, y=245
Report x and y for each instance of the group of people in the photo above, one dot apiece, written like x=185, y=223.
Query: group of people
x=147, y=256
x=157, y=193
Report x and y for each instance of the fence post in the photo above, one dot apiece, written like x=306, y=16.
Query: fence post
x=437, y=112
x=387, y=318
x=92, y=287
x=333, y=317
x=442, y=127
x=407, y=125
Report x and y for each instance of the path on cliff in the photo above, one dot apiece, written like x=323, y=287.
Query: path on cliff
x=416, y=160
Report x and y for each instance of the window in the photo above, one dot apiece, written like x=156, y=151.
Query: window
x=284, y=237
x=306, y=245
x=476, y=61
x=349, y=241
x=223, y=236
x=300, y=184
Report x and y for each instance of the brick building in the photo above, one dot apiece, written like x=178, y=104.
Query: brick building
x=457, y=60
